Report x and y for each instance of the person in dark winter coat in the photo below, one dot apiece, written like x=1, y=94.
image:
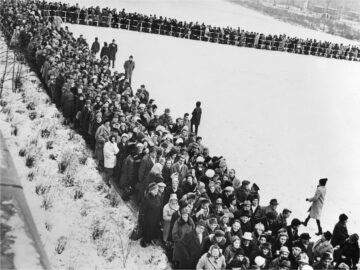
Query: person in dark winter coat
x=95, y=47
x=243, y=191
x=196, y=118
x=292, y=231
x=173, y=188
x=349, y=252
x=325, y=262
x=112, y=52
x=151, y=211
x=105, y=51
x=128, y=170
x=192, y=245
x=146, y=164
x=218, y=238
x=183, y=225
x=68, y=104
x=129, y=67
x=340, y=232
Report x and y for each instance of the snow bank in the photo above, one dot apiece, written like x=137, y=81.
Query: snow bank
x=82, y=224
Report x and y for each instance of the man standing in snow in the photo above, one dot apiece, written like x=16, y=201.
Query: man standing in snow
x=113, y=50
x=317, y=204
x=95, y=47
x=129, y=67
x=196, y=117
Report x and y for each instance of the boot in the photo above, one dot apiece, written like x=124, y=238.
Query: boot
x=306, y=221
x=320, y=232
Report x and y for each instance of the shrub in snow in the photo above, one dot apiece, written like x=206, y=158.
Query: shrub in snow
x=32, y=115
x=14, y=130
x=98, y=229
x=30, y=176
x=61, y=244
x=47, y=202
x=22, y=152
x=78, y=194
x=42, y=188
x=30, y=161
x=45, y=133
x=68, y=180
x=48, y=226
x=49, y=145
x=53, y=156
x=31, y=106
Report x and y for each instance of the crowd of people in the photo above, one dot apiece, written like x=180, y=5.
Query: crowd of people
x=225, y=35
x=191, y=202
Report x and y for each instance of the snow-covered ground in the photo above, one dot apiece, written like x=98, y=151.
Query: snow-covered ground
x=82, y=224
x=282, y=120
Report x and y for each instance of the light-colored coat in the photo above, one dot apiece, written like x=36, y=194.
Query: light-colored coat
x=207, y=262
x=110, y=151
x=317, y=202
x=320, y=247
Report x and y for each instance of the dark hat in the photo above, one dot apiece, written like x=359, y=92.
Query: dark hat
x=219, y=233
x=204, y=200
x=327, y=256
x=245, y=214
x=285, y=263
x=255, y=187
x=191, y=196
x=295, y=222
x=327, y=235
x=297, y=244
x=287, y=210
x=343, y=217
x=253, y=197
x=246, y=202
x=183, y=203
x=354, y=238
x=305, y=236
x=323, y=181
x=265, y=246
x=240, y=252
x=271, y=215
x=212, y=221
x=274, y=202
x=201, y=223
x=245, y=182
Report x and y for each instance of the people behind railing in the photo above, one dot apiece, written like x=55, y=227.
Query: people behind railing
x=191, y=202
x=107, y=17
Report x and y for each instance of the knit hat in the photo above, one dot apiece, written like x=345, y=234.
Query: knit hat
x=200, y=159
x=323, y=181
x=265, y=246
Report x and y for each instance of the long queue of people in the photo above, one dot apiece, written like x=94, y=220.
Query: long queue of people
x=107, y=17
x=190, y=202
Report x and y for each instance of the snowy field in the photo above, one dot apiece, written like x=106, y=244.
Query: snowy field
x=282, y=120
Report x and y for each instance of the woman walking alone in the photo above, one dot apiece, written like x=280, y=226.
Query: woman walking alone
x=317, y=204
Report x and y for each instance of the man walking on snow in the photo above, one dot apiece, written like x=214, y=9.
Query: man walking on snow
x=196, y=117
x=95, y=47
x=129, y=66
x=112, y=52
x=317, y=204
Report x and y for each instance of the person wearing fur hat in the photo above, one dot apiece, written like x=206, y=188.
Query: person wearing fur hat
x=317, y=204
x=322, y=245
x=183, y=225
x=151, y=212
x=340, y=232
x=232, y=248
x=218, y=238
x=212, y=260
x=325, y=262
x=349, y=252
x=169, y=209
